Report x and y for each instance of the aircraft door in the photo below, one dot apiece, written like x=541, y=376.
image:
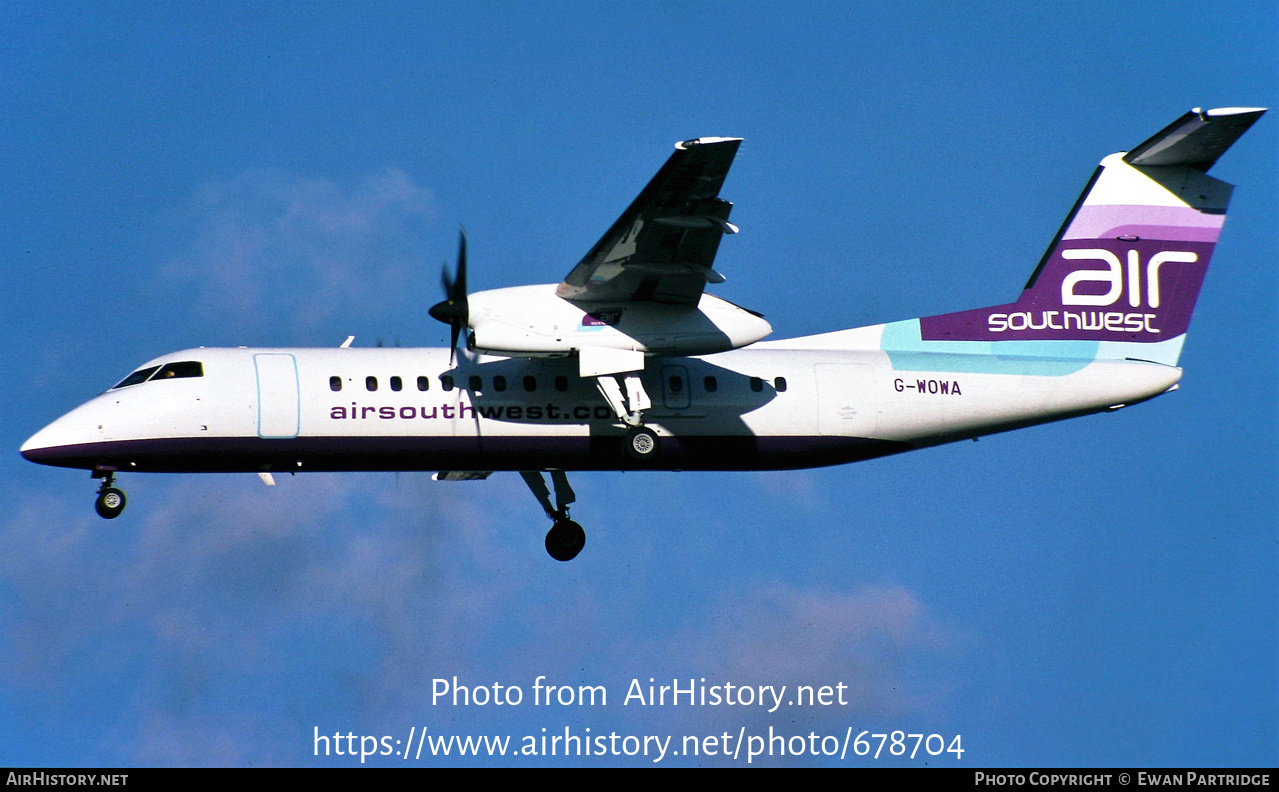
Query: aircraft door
x=675, y=387
x=278, y=399
x=846, y=400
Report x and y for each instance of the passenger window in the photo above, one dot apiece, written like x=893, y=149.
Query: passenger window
x=780, y=384
x=397, y=384
x=499, y=383
x=477, y=384
x=711, y=384
x=530, y=383
x=335, y=383
x=446, y=380
x=677, y=384
x=423, y=383
x=138, y=376
x=370, y=383
x=561, y=383
x=186, y=368
x=757, y=384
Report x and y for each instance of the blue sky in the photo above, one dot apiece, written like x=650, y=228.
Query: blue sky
x=1097, y=592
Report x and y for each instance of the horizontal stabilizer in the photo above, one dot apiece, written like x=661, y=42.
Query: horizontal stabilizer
x=1197, y=139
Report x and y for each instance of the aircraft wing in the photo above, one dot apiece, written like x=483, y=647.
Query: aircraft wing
x=662, y=247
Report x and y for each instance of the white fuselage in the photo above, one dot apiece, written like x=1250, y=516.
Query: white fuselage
x=780, y=404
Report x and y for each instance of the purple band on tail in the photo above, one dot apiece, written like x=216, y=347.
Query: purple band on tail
x=1110, y=289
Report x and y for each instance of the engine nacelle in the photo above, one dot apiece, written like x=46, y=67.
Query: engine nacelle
x=531, y=321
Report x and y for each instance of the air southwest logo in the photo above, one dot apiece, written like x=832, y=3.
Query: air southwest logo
x=511, y=412
x=1113, y=280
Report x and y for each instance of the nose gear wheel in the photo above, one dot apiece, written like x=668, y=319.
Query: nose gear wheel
x=111, y=501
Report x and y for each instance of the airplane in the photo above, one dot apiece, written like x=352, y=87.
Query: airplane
x=629, y=364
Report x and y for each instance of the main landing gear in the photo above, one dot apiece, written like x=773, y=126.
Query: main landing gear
x=640, y=443
x=566, y=538
x=111, y=501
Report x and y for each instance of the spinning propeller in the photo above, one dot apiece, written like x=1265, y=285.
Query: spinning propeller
x=453, y=309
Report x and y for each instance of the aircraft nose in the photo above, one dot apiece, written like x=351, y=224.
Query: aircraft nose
x=60, y=443
x=42, y=445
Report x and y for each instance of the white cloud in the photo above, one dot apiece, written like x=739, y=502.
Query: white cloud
x=271, y=251
x=222, y=619
x=780, y=634
x=798, y=487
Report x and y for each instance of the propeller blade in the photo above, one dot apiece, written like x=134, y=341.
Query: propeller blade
x=454, y=309
x=459, y=288
x=446, y=280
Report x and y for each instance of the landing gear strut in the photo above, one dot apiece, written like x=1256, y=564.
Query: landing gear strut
x=566, y=538
x=641, y=443
x=111, y=501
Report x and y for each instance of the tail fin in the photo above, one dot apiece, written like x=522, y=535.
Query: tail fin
x=1126, y=267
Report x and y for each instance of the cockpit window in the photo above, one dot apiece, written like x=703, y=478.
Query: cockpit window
x=185, y=368
x=140, y=375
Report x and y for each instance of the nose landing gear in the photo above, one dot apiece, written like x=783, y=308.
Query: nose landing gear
x=111, y=501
